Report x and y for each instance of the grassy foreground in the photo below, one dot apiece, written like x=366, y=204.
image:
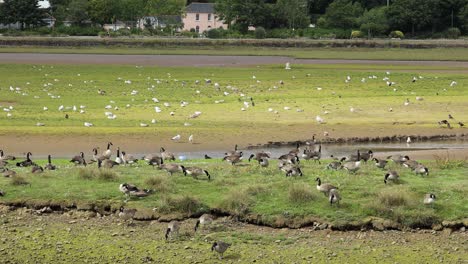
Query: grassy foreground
x=251, y=192
x=307, y=91
x=415, y=54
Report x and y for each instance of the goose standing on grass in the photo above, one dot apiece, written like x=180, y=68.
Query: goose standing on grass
x=289, y=158
x=6, y=157
x=380, y=163
x=166, y=155
x=107, y=163
x=3, y=163
x=172, y=229
x=171, y=167
x=429, y=199
x=334, y=197
x=156, y=161
x=398, y=159
x=79, y=160
x=220, y=247
x=352, y=166
x=128, y=159
x=296, y=150
x=195, y=172
x=108, y=152
x=49, y=165
x=391, y=176
x=259, y=155
x=2, y=193
x=263, y=162
x=335, y=165
x=205, y=219
x=234, y=158
x=312, y=154
x=232, y=152
x=118, y=159
x=421, y=169
x=294, y=171
x=26, y=163
x=36, y=169
x=366, y=156
x=324, y=187
x=97, y=157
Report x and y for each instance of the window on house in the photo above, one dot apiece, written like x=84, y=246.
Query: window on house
x=209, y=17
x=197, y=17
x=197, y=29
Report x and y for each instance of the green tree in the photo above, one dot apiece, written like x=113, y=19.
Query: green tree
x=104, y=11
x=76, y=12
x=132, y=10
x=165, y=7
x=463, y=17
x=410, y=15
x=295, y=12
x=242, y=13
x=26, y=12
x=374, y=21
x=342, y=14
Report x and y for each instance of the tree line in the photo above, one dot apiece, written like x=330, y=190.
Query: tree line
x=371, y=17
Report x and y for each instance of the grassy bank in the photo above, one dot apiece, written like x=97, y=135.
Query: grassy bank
x=263, y=195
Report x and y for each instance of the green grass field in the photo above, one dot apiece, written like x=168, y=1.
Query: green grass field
x=442, y=54
x=308, y=91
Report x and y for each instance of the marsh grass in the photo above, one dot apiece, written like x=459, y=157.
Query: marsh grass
x=19, y=180
x=299, y=193
x=159, y=183
x=237, y=202
x=445, y=162
x=186, y=204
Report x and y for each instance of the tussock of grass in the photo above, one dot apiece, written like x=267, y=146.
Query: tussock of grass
x=107, y=175
x=393, y=197
x=86, y=173
x=19, y=180
x=421, y=218
x=237, y=202
x=158, y=183
x=300, y=193
x=186, y=204
x=445, y=162
x=255, y=189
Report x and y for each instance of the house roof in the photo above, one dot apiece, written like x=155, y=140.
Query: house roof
x=200, y=8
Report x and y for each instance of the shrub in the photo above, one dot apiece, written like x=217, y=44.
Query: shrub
x=236, y=202
x=260, y=33
x=215, y=33
x=300, y=193
x=356, y=34
x=453, y=33
x=397, y=34
x=86, y=173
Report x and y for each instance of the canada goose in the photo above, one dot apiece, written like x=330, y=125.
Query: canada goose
x=234, y=158
x=170, y=168
x=289, y=158
x=391, y=176
x=127, y=214
x=444, y=122
x=352, y=166
x=312, y=154
x=412, y=164
x=205, y=219
x=354, y=157
x=155, y=161
x=195, y=172
x=118, y=159
x=220, y=247
x=97, y=157
x=131, y=190
x=2, y=193
x=461, y=124
x=334, y=197
x=166, y=155
x=429, y=199
x=207, y=157
x=421, y=169
x=3, y=163
x=294, y=171
x=263, y=162
x=398, y=159
x=259, y=155
x=324, y=187
x=380, y=163
x=366, y=155
x=26, y=163
x=37, y=169
x=7, y=157
x=79, y=160
x=172, y=229
x=286, y=167
x=8, y=173
x=108, y=152
x=229, y=153
x=49, y=165
x=335, y=165
x=295, y=151
x=128, y=159
x=149, y=157
x=107, y=163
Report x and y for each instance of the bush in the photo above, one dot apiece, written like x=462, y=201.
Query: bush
x=188, y=34
x=260, y=33
x=397, y=34
x=236, y=202
x=183, y=204
x=215, y=33
x=107, y=175
x=78, y=31
x=393, y=197
x=159, y=183
x=453, y=33
x=356, y=34
x=281, y=33
x=86, y=173
x=300, y=193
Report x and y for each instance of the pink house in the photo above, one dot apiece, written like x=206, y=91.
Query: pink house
x=201, y=17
